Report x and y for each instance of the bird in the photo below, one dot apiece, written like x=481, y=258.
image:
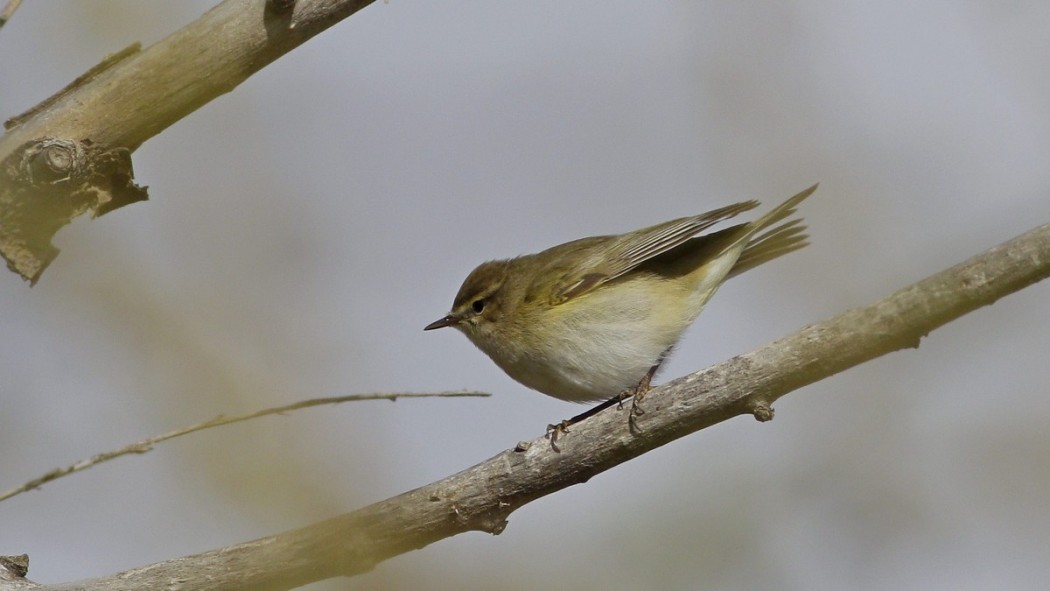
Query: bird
x=593, y=319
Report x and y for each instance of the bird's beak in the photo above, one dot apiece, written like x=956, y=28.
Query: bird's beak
x=442, y=323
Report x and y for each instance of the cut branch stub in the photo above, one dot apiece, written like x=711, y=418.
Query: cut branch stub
x=45, y=184
x=17, y=565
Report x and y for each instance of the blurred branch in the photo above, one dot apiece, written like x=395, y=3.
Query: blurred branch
x=483, y=496
x=71, y=154
x=8, y=11
x=146, y=445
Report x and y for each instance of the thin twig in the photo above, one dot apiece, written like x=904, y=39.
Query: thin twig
x=8, y=11
x=147, y=444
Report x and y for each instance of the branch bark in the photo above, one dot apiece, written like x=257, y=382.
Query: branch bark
x=71, y=153
x=483, y=496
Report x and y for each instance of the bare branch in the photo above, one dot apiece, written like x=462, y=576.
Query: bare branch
x=71, y=154
x=8, y=11
x=146, y=445
x=483, y=496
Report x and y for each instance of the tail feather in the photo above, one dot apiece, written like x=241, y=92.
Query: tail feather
x=782, y=211
x=772, y=244
x=777, y=241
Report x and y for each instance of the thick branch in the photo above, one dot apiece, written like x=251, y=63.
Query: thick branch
x=104, y=115
x=483, y=496
x=137, y=97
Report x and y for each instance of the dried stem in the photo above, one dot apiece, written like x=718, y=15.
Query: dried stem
x=147, y=444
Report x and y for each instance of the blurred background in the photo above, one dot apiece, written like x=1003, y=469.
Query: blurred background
x=303, y=229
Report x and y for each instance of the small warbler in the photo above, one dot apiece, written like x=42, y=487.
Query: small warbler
x=594, y=318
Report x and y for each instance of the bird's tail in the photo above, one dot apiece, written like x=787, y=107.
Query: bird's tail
x=778, y=240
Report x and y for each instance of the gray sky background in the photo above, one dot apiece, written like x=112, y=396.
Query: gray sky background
x=303, y=229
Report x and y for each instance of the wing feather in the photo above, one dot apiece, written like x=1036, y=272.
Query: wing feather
x=613, y=256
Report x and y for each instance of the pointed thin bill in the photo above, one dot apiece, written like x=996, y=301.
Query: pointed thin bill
x=441, y=323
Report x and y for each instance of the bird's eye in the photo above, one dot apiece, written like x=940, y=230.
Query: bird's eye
x=478, y=306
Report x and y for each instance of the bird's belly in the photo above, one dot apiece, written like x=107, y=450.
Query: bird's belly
x=595, y=357
x=586, y=378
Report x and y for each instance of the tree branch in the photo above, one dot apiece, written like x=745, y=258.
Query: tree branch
x=8, y=11
x=71, y=154
x=147, y=444
x=483, y=496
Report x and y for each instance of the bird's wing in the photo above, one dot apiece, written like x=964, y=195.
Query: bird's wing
x=608, y=257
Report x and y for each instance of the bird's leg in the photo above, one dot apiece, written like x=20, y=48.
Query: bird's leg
x=554, y=431
x=638, y=392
